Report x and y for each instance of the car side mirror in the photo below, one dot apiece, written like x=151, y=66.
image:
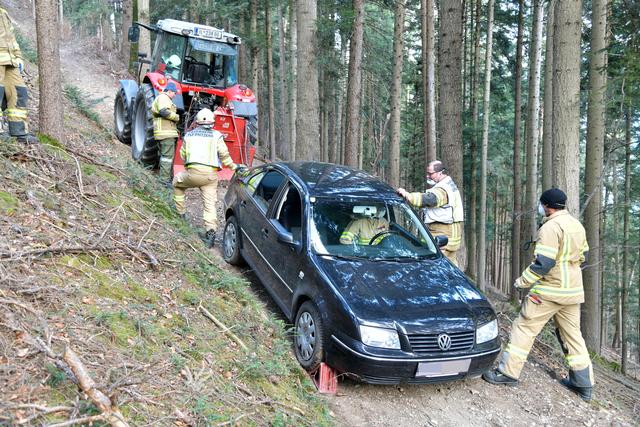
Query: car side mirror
x=134, y=34
x=442, y=241
x=285, y=236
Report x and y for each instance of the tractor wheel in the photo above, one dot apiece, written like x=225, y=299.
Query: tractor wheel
x=144, y=147
x=122, y=116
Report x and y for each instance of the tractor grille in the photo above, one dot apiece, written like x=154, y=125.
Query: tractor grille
x=428, y=343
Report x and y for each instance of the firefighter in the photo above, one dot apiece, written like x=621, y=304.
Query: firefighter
x=555, y=282
x=204, y=152
x=361, y=230
x=165, y=129
x=443, y=211
x=11, y=83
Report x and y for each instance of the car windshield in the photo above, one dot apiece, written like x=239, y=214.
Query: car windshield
x=370, y=229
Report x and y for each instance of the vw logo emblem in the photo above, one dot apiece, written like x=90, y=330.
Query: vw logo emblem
x=444, y=342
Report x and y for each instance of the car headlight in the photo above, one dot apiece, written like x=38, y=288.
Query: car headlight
x=487, y=332
x=380, y=337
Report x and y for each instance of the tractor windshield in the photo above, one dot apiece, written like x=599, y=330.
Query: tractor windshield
x=211, y=63
x=170, y=60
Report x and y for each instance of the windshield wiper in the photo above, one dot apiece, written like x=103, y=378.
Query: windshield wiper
x=349, y=257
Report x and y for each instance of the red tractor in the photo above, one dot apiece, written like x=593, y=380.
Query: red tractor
x=202, y=62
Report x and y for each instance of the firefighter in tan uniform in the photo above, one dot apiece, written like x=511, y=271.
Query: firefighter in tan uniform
x=165, y=129
x=11, y=83
x=204, y=152
x=360, y=231
x=555, y=282
x=443, y=213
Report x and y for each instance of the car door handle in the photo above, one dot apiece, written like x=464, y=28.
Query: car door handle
x=243, y=203
x=265, y=233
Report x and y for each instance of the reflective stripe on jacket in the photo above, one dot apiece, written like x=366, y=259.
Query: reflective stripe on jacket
x=361, y=231
x=10, y=53
x=165, y=118
x=561, y=248
x=205, y=146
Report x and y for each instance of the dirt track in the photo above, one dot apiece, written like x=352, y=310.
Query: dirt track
x=539, y=400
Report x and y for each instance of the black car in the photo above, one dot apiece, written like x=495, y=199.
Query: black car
x=386, y=306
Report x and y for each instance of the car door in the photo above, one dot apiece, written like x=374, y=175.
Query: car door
x=260, y=194
x=284, y=237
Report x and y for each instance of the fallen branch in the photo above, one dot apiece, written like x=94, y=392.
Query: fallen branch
x=221, y=325
x=59, y=250
x=43, y=411
x=110, y=413
x=83, y=420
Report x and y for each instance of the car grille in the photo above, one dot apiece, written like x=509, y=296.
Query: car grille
x=428, y=343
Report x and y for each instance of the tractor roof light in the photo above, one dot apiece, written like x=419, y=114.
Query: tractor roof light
x=162, y=81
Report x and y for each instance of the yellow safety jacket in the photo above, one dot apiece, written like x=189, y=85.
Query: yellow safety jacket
x=10, y=53
x=362, y=230
x=165, y=118
x=561, y=248
x=205, y=146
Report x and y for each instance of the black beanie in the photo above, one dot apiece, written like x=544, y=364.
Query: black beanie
x=554, y=198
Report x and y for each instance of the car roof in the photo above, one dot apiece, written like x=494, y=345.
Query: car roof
x=331, y=180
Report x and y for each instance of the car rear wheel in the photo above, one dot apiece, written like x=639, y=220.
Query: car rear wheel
x=309, y=337
x=231, y=242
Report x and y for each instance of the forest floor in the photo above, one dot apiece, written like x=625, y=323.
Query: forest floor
x=538, y=400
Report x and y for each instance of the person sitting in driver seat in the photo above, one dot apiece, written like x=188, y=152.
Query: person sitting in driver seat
x=361, y=230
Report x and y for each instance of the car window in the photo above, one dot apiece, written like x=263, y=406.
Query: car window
x=373, y=229
x=253, y=182
x=267, y=188
x=289, y=212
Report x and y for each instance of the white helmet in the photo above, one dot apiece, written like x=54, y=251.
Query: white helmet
x=174, y=61
x=205, y=117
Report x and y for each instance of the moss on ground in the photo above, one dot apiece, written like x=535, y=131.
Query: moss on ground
x=8, y=203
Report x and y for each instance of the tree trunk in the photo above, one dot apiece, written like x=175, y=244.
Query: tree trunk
x=283, y=138
x=450, y=101
x=254, y=50
x=517, y=156
x=428, y=79
x=293, y=79
x=547, y=124
x=242, y=50
x=308, y=115
x=484, y=151
x=354, y=85
x=566, y=100
x=624, y=293
x=144, y=44
x=272, y=104
x=472, y=209
x=593, y=174
x=49, y=82
x=396, y=95
x=125, y=46
x=531, y=130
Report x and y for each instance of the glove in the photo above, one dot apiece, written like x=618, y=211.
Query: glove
x=241, y=169
x=519, y=285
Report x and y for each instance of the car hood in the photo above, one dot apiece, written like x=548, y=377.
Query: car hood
x=422, y=296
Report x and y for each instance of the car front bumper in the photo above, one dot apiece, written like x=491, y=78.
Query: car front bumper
x=379, y=369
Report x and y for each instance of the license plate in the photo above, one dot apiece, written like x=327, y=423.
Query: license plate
x=443, y=369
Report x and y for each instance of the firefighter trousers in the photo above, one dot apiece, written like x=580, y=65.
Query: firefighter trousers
x=204, y=178
x=13, y=88
x=453, y=233
x=528, y=325
x=167, y=148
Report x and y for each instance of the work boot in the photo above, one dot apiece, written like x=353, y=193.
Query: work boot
x=209, y=238
x=183, y=217
x=583, y=392
x=27, y=139
x=497, y=377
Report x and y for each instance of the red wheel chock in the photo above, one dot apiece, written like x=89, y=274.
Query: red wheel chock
x=325, y=379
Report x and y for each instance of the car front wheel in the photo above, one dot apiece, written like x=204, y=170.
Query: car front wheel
x=231, y=242
x=309, y=336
